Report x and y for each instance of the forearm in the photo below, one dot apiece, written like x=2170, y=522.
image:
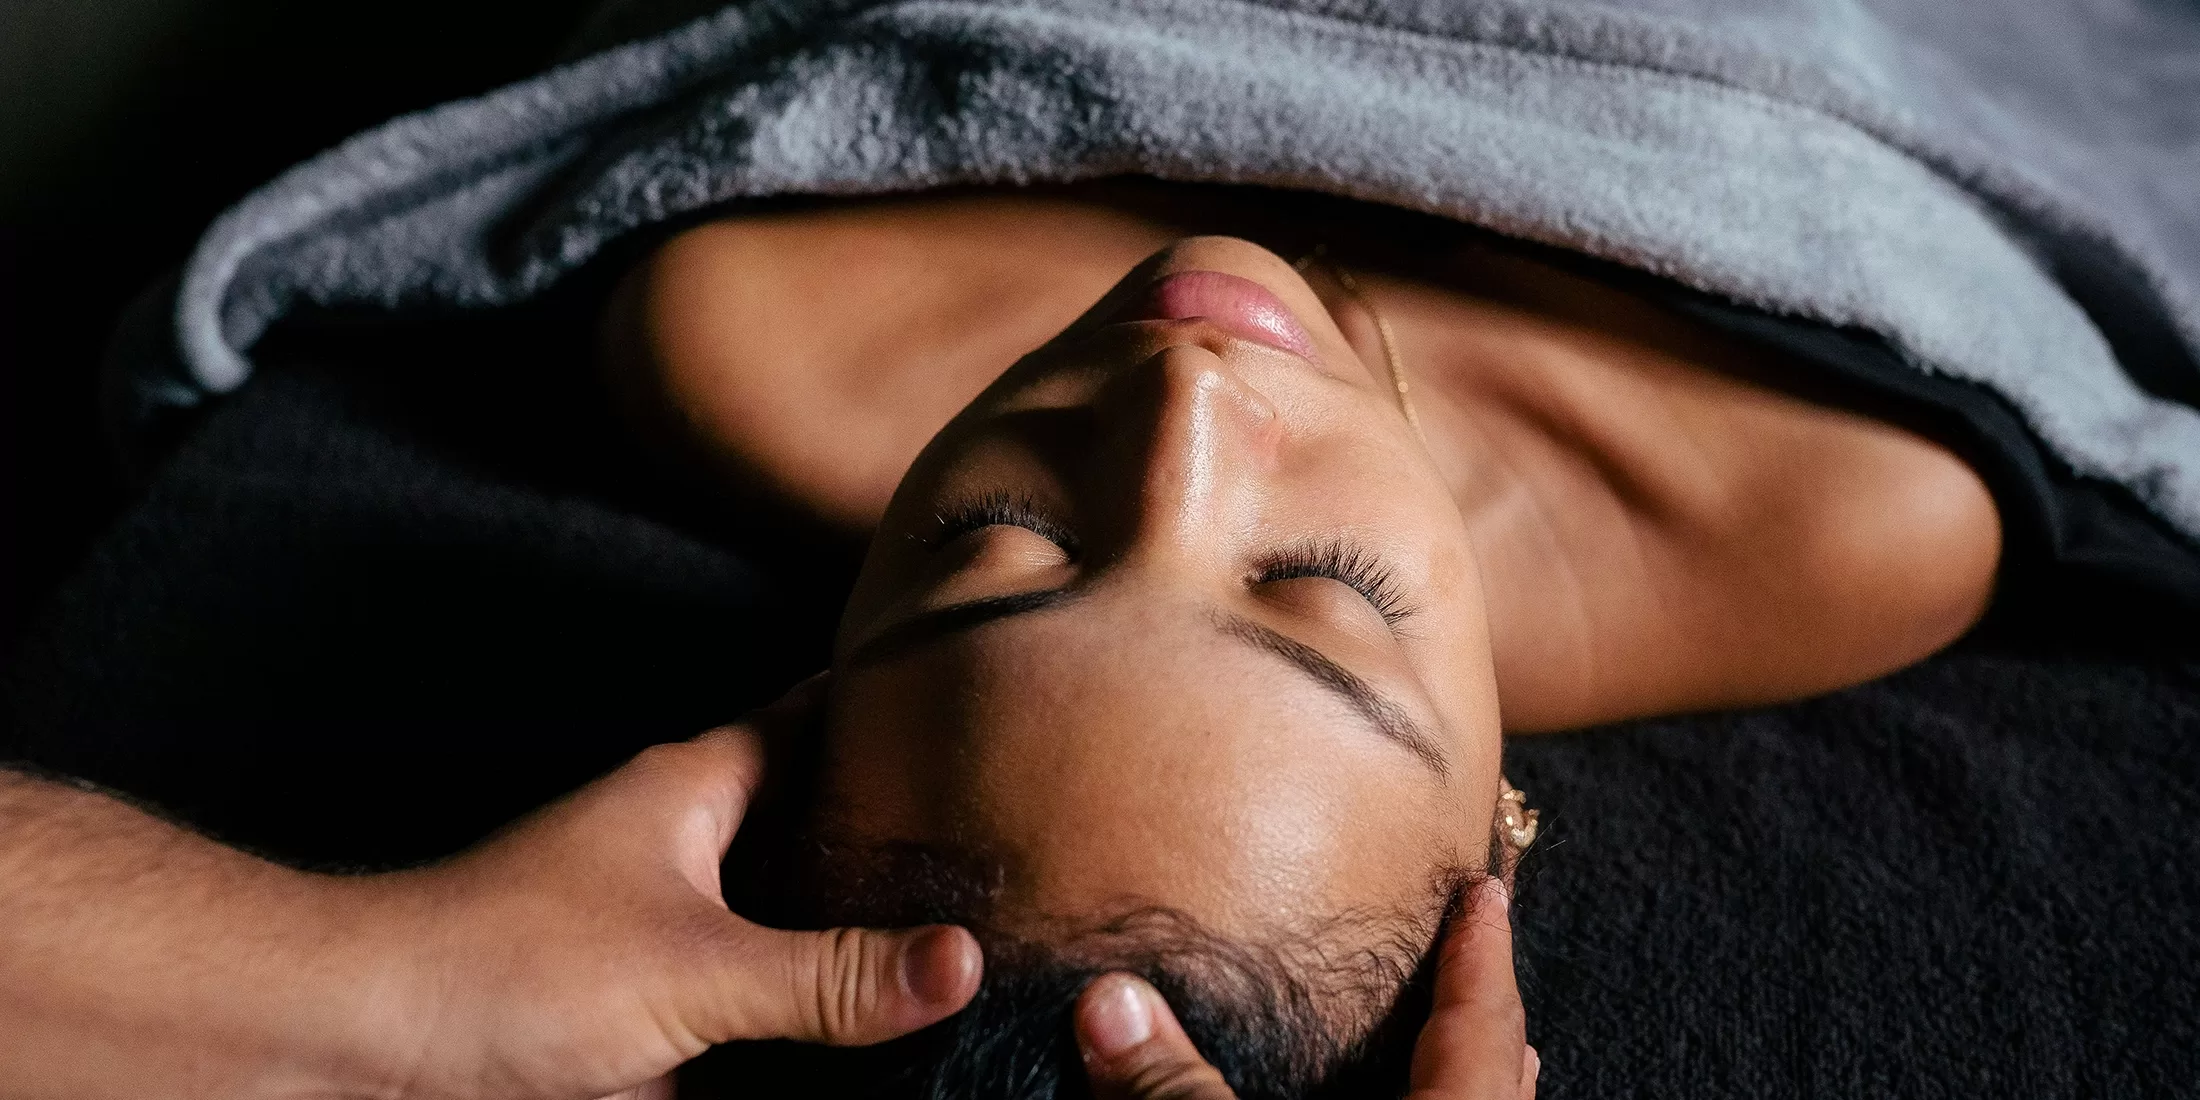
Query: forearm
x=138, y=959
x=579, y=953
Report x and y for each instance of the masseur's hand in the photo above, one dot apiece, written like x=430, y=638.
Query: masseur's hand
x=582, y=952
x=587, y=950
x=1474, y=1047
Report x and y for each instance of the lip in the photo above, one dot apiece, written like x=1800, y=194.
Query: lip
x=1232, y=303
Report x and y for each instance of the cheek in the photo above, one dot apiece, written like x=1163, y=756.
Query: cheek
x=1180, y=772
x=1242, y=848
x=1344, y=847
x=1239, y=817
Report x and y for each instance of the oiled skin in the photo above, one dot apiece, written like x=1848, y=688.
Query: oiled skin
x=1656, y=533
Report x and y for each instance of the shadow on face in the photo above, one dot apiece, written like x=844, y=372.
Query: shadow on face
x=1173, y=636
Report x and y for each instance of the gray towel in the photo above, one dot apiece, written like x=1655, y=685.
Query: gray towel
x=2007, y=191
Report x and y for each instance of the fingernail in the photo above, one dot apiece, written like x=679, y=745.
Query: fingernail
x=1535, y=1065
x=938, y=965
x=1117, y=1016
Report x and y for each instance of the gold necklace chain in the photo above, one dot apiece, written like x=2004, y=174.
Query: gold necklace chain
x=1383, y=331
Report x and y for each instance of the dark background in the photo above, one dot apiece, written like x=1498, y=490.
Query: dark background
x=125, y=127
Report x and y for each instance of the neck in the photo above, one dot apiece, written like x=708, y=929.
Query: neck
x=1655, y=531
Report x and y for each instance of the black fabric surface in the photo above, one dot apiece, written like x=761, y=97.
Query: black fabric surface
x=1975, y=878
x=387, y=598
x=383, y=600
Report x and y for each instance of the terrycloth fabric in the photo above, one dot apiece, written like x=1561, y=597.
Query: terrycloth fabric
x=2003, y=189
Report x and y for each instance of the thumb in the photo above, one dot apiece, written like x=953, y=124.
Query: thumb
x=1475, y=1042
x=1134, y=1048
x=843, y=986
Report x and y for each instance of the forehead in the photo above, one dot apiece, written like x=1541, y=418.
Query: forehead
x=1136, y=753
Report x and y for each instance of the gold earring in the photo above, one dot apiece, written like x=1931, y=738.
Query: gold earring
x=1518, y=821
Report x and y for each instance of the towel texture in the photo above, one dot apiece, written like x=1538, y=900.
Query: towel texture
x=2004, y=190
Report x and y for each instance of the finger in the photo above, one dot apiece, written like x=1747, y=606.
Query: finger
x=845, y=986
x=1135, y=1049
x=727, y=763
x=1531, y=1068
x=740, y=745
x=1473, y=1046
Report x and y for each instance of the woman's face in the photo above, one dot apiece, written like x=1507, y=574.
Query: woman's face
x=1177, y=613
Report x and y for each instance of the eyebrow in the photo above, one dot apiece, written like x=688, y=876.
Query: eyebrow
x=927, y=627
x=1387, y=717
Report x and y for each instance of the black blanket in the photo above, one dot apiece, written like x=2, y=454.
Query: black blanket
x=376, y=605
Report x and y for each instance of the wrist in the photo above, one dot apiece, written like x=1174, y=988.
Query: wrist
x=137, y=958
x=306, y=991
x=368, y=1021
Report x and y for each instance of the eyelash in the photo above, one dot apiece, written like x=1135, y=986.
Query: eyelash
x=1331, y=558
x=1346, y=564
x=998, y=509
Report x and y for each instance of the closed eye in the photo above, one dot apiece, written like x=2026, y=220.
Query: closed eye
x=999, y=509
x=1349, y=565
x=1329, y=558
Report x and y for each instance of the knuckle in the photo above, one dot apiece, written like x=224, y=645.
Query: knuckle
x=659, y=760
x=840, y=997
x=675, y=773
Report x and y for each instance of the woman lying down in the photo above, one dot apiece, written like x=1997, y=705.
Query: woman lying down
x=1185, y=642
x=1182, y=645
x=1179, y=663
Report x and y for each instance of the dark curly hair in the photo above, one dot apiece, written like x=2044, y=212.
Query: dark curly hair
x=1310, y=1012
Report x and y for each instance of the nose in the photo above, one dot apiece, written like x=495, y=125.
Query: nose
x=1186, y=445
